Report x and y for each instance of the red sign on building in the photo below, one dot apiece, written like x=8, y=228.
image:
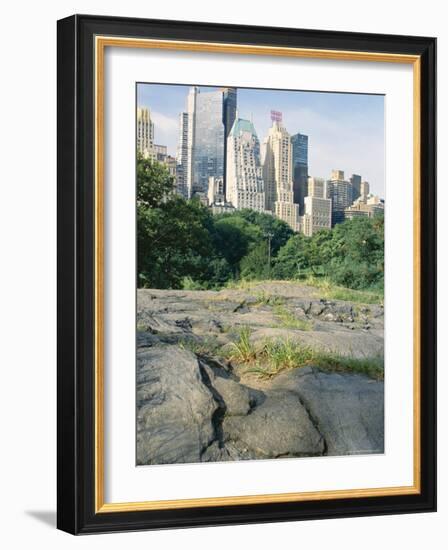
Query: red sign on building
x=276, y=116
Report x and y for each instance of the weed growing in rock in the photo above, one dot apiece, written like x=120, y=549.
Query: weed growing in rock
x=333, y=292
x=288, y=320
x=206, y=347
x=263, y=298
x=276, y=355
x=272, y=356
x=242, y=351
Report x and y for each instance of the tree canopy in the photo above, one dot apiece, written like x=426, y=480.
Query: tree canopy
x=181, y=244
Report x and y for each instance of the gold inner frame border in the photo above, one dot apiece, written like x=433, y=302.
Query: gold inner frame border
x=101, y=42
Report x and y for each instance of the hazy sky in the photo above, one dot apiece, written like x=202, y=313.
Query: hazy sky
x=346, y=131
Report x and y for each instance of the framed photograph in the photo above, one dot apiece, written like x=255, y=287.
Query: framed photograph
x=246, y=274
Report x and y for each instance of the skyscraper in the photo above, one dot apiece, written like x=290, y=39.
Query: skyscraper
x=317, y=215
x=205, y=143
x=209, y=139
x=182, y=156
x=318, y=187
x=340, y=192
x=300, y=168
x=355, y=180
x=371, y=207
x=245, y=185
x=317, y=207
x=145, y=132
x=160, y=152
x=229, y=108
x=188, y=170
x=228, y=117
x=277, y=173
x=215, y=194
x=364, y=190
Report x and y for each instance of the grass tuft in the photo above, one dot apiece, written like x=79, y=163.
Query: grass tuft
x=207, y=347
x=288, y=320
x=241, y=351
x=240, y=284
x=188, y=283
x=331, y=291
x=276, y=356
x=369, y=366
x=263, y=298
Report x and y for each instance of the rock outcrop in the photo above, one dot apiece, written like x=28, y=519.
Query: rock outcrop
x=193, y=407
x=348, y=409
x=174, y=407
x=343, y=327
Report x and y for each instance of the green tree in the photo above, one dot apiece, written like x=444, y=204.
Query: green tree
x=234, y=237
x=154, y=182
x=351, y=254
x=173, y=242
x=292, y=259
x=320, y=249
x=180, y=243
x=255, y=265
x=359, y=261
x=268, y=224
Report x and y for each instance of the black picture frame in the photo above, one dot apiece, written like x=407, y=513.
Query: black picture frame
x=76, y=256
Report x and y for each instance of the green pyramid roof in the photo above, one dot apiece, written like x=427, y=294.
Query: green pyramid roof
x=242, y=125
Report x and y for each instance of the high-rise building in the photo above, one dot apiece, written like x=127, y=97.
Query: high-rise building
x=300, y=168
x=337, y=174
x=205, y=142
x=160, y=152
x=375, y=204
x=245, y=184
x=215, y=192
x=229, y=102
x=355, y=181
x=209, y=139
x=171, y=165
x=317, y=215
x=229, y=111
x=364, y=190
x=145, y=132
x=318, y=187
x=223, y=208
x=340, y=193
x=277, y=173
x=191, y=110
x=289, y=213
x=182, y=156
x=370, y=207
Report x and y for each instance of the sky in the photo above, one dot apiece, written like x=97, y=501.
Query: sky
x=346, y=131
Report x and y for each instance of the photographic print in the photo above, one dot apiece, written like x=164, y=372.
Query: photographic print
x=260, y=274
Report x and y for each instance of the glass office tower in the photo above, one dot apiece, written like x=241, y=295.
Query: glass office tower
x=228, y=118
x=300, y=168
x=208, y=148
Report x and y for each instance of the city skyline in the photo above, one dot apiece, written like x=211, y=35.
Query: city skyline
x=341, y=127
